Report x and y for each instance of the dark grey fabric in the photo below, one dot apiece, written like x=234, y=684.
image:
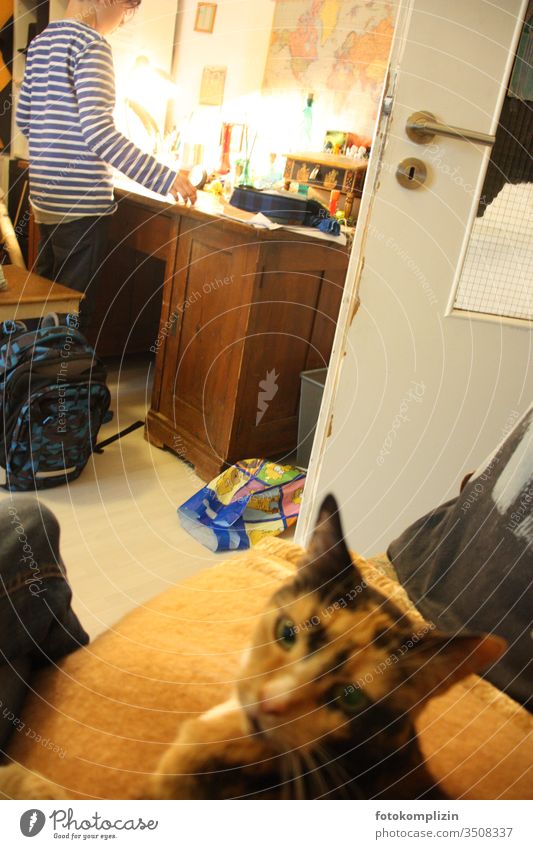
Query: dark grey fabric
x=468, y=565
x=37, y=623
x=72, y=254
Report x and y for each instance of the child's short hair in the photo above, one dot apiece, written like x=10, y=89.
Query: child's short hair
x=132, y=4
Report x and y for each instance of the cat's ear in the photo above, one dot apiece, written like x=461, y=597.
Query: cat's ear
x=436, y=661
x=328, y=536
x=327, y=564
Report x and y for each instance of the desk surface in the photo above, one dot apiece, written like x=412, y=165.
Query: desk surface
x=30, y=296
x=209, y=208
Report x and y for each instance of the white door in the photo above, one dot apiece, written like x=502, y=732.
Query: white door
x=419, y=391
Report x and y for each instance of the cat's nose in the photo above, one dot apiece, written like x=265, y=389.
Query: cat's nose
x=272, y=706
x=275, y=696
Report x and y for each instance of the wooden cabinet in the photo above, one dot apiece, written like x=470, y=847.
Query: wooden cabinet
x=244, y=313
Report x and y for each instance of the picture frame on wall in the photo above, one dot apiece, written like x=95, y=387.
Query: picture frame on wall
x=205, y=17
x=212, y=86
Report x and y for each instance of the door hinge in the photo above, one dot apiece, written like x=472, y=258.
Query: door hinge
x=387, y=105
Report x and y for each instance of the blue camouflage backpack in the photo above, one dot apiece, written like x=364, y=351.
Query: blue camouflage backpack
x=53, y=401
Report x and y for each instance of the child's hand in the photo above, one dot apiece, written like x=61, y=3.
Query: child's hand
x=183, y=189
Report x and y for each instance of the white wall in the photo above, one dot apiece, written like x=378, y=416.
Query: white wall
x=150, y=33
x=239, y=42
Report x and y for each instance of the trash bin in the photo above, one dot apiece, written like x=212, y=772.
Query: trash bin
x=312, y=390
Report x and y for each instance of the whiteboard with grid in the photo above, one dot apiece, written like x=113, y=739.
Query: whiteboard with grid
x=497, y=276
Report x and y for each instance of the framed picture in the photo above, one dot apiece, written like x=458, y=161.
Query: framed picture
x=205, y=17
x=212, y=87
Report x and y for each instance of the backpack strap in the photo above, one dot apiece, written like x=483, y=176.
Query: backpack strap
x=99, y=449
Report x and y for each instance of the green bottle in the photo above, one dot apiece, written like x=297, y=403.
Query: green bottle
x=307, y=123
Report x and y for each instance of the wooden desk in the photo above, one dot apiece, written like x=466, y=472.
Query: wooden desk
x=31, y=296
x=244, y=312
x=233, y=315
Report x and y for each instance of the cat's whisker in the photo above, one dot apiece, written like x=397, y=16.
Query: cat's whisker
x=305, y=762
x=304, y=775
x=286, y=767
x=312, y=777
x=290, y=776
x=308, y=779
x=316, y=773
x=294, y=787
x=343, y=781
x=309, y=776
x=285, y=778
x=330, y=779
x=298, y=782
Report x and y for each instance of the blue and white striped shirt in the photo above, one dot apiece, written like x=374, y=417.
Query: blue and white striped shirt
x=66, y=111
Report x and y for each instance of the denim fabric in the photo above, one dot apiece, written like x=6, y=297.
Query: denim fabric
x=37, y=623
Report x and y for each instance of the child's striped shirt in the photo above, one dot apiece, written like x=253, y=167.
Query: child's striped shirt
x=66, y=111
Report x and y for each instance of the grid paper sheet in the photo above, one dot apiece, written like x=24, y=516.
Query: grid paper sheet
x=497, y=276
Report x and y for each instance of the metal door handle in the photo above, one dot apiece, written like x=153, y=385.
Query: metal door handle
x=422, y=127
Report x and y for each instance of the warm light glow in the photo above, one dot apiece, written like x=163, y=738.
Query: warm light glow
x=151, y=86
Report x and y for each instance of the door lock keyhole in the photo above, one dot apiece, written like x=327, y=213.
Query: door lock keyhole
x=411, y=173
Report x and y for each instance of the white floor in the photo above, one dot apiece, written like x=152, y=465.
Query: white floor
x=121, y=538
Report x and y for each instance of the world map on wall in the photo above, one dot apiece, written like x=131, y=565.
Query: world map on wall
x=339, y=47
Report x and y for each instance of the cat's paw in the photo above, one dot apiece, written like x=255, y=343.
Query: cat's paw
x=208, y=751
x=16, y=782
x=229, y=710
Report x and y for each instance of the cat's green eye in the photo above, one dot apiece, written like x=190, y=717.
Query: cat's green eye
x=350, y=698
x=285, y=633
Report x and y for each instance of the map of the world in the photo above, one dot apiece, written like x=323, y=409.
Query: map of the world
x=337, y=49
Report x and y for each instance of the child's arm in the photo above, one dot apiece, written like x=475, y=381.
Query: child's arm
x=94, y=82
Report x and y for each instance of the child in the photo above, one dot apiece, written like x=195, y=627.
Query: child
x=66, y=111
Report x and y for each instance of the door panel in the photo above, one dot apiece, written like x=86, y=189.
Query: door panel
x=418, y=394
